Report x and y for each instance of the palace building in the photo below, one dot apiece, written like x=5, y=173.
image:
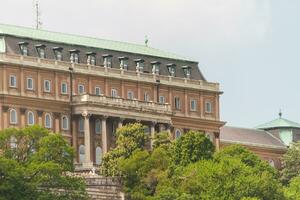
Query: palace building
x=85, y=88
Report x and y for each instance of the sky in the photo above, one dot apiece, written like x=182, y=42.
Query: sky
x=251, y=47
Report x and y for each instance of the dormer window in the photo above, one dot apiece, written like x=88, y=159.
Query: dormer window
x=23, y=48
x=123, y=63
x=171, y=68
x=58, y=53
x=74, y=56
x=155, y=67
x=139, y=65
x=187, y=71
x=107, y=60
x=91, y=58
x=41, y=50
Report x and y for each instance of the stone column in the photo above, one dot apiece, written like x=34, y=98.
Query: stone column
x=120, y=122
x=23, y=117
x=74, y=138
x=56, y=122
x=104, y=135
x=152, y=133
x=87, y=141
x=217, y=140
x=161, y=127
x=5, y=116
x=40, y=117
x=22, y=80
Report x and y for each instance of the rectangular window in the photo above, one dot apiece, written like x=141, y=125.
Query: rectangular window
x=177, y=103
x=47, y=86
x=91, y=59
x=74, y=57
x=114, y=93
x=146, y=97
x=13, y=81
x=29, y=85
x=97, y=91
x=23, y=48
x=193, y=105
x=208, y=107
x=162, y=100
x=58, y=53
x=80, y=89
x=64, y=88
x=41, y=51
x=108, y=61
x=130, y=95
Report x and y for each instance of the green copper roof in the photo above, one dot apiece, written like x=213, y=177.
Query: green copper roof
x=86, y=41
x=279, y=123
x=2, y=45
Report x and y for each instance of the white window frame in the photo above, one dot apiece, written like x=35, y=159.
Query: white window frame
x=99, y=155
x=162, y=99
x=193, y=102
x=114, y=93
x=91, y=59
x=48, y=116
x=15, y=113
x=13, y=81
x=27, y=83
x=41, y=52
x=65, y=122
x=29, y=115
x=97, y=88
x=61, y=88
x=208, y=107
x=98, y=121
x=130, y=95
x=45, y=87
x=177, y=133
x=146, y=97
x=177, y=103
x=24, y=49
x=79, y=89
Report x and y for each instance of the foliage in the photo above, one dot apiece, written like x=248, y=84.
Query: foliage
x=292, y=192
x=192, y=147
x=162, y=139
x=291, y=163
x=34, y=165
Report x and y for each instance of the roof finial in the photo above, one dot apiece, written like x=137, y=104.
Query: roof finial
x=280, y=113
x=146, y=40
x=38, y=22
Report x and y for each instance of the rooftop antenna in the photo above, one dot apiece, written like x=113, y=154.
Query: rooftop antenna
x=38, y=22
x=146, y=40
x=280, y=113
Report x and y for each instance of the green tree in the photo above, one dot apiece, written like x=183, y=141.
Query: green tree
x=292, y=191
x=291, y=163
x=192, y=147
x=34, y=164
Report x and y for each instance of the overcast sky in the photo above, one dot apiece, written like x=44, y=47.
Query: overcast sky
x=251, y=47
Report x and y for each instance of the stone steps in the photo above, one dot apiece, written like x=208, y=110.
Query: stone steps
x=103, y=194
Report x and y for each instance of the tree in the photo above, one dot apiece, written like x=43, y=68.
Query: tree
x=35, y=164
x=292, y=192
x=192, y=147
x=291, y=163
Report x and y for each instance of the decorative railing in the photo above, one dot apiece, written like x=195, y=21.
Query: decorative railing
x=111, y=72
x=123, y=103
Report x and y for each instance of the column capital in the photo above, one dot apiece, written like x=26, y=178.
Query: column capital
x=5, y=108
x=153, y=123
x=104, y=117
x=22, y=110
x=217, y=134
x=40, y=113
x=121, y=119
x=85, y=114
x=56, y=114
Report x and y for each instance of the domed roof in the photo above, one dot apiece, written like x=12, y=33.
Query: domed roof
x=279, y=123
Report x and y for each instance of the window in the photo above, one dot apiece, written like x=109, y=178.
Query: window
x=13, y=117
x=107, y=61
x=41, y=51
x=12, y=81
x=98, y=155
x=23, y=48
x=64, y=88
x=97, y=91
x=193, y=105
x=81, y=154
x=29, y=84
x=208, y=107
x=187, y=71
x=13, y=142
x=30, y=118
x=155, y=67
x=162, y=100
x=123, y=63
x=80, y=89
x=47, y=86
x=177, y=103
x=81, y=125
x=130, y=95
x=48, y=120
x=91, y=58
x=177, y=134
x=271, y=163
x=146, y=97
x=97, y=126
x=74, y=56
x=114, y=93
x=171, y=69
x=58, y=53
x=139, y=65
x=65, y=122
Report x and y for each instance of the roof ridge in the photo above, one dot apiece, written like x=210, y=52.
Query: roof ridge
x=245, y=128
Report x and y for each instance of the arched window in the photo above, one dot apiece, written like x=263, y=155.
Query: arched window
x=48, y=120
x=81, y=154
x=13, y=117
x=177, y=134
x=65, y=122
x=98, y=126
x=98, y=155
x=30, y=118
x=81, y=125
